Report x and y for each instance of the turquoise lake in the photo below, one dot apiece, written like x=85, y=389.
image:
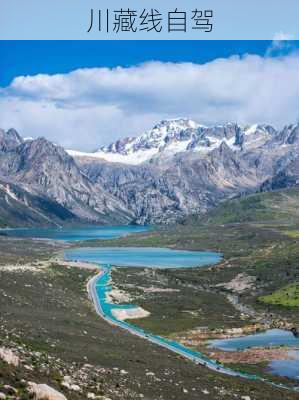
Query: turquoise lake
x=73, y=234
x=272, y=337
x=143, y=257
x=287, y=368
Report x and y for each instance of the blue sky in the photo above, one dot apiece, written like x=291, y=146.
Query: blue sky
x=34, y=57
x=84, y=94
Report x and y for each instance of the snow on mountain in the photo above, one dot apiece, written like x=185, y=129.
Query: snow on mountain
x=134, y=158
x=212, y=164
x=170, y=137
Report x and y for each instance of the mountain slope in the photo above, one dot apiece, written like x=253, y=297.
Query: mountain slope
x=178, y=168
x=166, y=192
x=278, y=205
x=47, y=172
x=19, y=208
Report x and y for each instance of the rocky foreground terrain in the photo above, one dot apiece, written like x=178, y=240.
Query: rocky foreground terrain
x=177, y=169
x=53, y=346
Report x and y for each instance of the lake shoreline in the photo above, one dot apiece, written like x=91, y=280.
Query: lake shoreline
x=83, y=263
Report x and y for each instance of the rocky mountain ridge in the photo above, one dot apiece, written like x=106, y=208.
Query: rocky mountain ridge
x=180, y=168
x=176, y=169
x=35, y=170
x=171, y=137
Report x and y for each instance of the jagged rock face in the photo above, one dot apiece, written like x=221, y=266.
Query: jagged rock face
x=179, y=167
x=9, y=140
x=176, y=169
x=164, y=192
x=161, y=134
x=46, y=171
x=289, y=135
x=285, y=172
x=21, y=208
x=277, y=162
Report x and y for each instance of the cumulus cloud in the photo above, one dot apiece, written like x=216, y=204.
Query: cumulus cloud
x=282, y=44
x=89, y=107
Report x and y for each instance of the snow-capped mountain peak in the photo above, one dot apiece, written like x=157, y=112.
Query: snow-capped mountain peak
x=161, y=134
x=170, y=137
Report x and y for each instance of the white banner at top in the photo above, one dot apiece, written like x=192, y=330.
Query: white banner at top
x=149, y=20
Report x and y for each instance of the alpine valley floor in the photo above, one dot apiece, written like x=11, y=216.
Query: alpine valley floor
x=48, y=321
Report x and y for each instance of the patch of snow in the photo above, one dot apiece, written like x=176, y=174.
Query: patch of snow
x=215, y=143
x=75, y=153
x=8, y=191
x=133, y=159
x=251, y=129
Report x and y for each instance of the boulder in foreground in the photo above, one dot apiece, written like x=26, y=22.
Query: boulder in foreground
x=45, y=392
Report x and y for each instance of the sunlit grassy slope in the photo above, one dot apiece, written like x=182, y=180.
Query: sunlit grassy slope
x=287, y=296
x=277, y=205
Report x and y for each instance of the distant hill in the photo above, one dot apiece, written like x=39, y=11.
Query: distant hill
x=261, y=207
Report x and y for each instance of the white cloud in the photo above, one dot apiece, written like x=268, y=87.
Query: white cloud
x=281, y=45
x=88, y=107
x=283, y=36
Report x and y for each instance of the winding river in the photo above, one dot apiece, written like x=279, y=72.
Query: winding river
x=99, y=285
